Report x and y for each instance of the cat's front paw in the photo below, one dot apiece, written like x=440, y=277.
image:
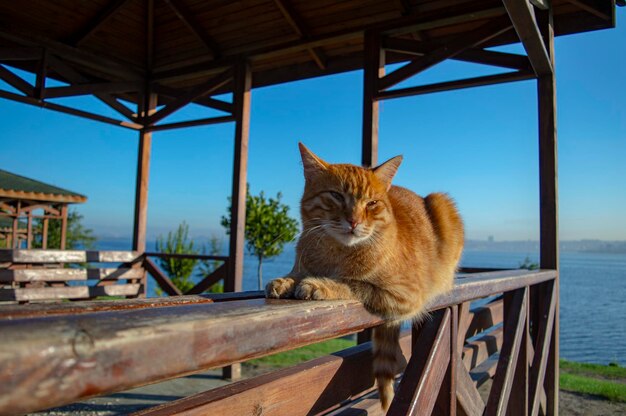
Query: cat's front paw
x=282, y=287
x=311, y=289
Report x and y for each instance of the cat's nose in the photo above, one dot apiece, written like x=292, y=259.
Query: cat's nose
x=353, y=223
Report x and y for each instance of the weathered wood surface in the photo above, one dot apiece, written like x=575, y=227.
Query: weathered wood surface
x=305, y=389
x=62, y=275
x=107, y=351
x=67, y=256
x=68, y=292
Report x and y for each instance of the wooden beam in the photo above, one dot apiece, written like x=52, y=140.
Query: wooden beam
x=455, y=85
x=462, y=42
x=99, y=20
x=542, y=348
x=523, y=17
x=69, y=110
x=63, y=274
x=299, y=26
x=42, y=74
x=16, y=82
x=218, y=274
x=74, y=77
x=210, y=102
x=162, y=280
x=20, y=53
x=191, y=123
x=203, y=89
x=373, y=70
x=581, y=4
x=474, y=55
x=187, y=17
x=417, y=392
x=406, y=24
x=86, y=89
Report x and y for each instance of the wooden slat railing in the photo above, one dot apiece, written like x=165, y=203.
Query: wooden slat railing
x=53, y=360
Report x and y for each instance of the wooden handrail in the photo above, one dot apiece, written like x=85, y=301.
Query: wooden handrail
x=106, y=351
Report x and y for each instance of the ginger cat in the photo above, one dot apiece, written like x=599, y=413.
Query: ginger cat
x=367, y=240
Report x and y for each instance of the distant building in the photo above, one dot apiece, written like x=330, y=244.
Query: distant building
x=20, y=198
x=490, y=239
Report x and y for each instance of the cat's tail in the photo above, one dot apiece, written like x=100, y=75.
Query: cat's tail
x=387, y=359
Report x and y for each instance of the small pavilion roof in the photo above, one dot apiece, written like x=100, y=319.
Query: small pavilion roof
x=20, y=187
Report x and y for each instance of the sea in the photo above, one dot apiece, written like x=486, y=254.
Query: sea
x=592, y=294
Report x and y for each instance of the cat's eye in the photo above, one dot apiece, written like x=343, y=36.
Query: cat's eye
x=372, y=203
x=337, y=196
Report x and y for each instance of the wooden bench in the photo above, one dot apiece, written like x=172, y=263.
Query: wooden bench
x=45, y=275
x=56, y=354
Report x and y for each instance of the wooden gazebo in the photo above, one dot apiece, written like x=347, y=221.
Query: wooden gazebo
x=147, y=59
x=20, y=197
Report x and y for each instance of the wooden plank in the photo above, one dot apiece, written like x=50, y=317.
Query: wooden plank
x=202, y=334
x=62, y=275
x=523, y=18
x=99, y=20
x=503, y=381
x=518, y=398
x=67, y=256
x=20, y=53
x=485, y=370
x=417, y=392
x=69, y=292
x=455, y=85
x=467, y=396
x=484, y=317
x=374, y=68
x=162, y=280
x=190, y=20
x=480, y=349
x=446, y=403
x=452, y=48
x=540, y=358
x=305, y=389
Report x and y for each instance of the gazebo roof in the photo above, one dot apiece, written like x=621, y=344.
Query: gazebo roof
x=14, y=186
x=284, y=40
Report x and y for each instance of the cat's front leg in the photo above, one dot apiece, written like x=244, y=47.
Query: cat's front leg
x=323, y=288
x=283, y=287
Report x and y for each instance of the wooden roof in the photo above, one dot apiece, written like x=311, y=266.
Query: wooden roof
x=177, y=44
x=14, y=186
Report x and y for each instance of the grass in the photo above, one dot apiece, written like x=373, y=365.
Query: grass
x=288, y=358
x=600, y=380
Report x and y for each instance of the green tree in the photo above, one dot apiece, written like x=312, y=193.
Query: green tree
x=181, y=270
x=77, y=237
x=268, y=227
x=178, y=269
x=528, y=264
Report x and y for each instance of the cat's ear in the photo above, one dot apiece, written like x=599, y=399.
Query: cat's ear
x=312, y=164
x=386, y=171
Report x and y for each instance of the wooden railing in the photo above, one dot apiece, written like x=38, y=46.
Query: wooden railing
x=58, y=354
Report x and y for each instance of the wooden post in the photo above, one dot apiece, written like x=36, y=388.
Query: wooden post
x=241, y=101
x=15, y=241
x=63, y=226
x=44, y=235
x=29, y=228
x=143, y=176
x=548, y=197
x=374, y=68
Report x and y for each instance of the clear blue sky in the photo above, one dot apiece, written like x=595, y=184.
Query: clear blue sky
x=479, y=145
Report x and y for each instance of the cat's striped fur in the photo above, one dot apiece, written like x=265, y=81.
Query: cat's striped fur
x=383, y=245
